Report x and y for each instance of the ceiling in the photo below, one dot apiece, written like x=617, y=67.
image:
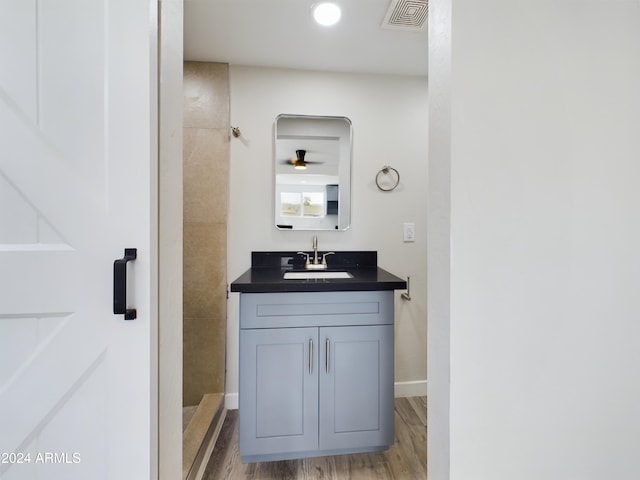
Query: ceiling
x=282, y=33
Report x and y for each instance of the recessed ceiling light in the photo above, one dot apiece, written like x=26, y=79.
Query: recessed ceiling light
x=326, y=13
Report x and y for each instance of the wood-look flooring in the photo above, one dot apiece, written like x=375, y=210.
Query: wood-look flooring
x=405, y=460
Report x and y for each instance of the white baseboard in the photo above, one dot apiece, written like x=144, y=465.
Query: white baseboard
x=401, y=389
x=231, y=401
x=410, y=389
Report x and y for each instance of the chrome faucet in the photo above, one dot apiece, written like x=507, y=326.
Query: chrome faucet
x=315, y=264
x=315, y=250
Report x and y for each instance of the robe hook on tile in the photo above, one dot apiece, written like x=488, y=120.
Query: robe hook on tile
x=407, y=294
x=236, y=131
x=387, y=178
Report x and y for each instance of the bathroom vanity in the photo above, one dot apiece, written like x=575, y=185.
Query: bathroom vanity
x=316, y=357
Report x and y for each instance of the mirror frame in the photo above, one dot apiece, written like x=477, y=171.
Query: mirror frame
x=310, y=130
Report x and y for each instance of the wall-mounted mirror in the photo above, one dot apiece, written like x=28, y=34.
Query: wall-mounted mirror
x=312, y=172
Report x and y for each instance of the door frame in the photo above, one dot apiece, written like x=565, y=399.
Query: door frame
x=166, y=421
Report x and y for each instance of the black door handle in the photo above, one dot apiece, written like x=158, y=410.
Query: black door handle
x=120, y=284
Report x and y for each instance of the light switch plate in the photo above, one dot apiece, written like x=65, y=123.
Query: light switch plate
x=409, y=232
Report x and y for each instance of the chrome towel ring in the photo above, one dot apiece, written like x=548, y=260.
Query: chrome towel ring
x=387, y=179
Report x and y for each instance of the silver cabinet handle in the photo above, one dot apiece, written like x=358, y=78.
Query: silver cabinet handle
x=310, y=356
x=328, y=352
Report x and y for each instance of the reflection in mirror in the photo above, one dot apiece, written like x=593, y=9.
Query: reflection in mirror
x=312, y=172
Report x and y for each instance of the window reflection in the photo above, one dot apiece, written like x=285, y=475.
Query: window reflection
x=302, y=204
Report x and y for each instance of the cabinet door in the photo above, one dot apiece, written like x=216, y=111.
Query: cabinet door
x=278, y=397
x=356, y=385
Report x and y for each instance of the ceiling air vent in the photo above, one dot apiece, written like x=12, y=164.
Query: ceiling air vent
x=408, y=15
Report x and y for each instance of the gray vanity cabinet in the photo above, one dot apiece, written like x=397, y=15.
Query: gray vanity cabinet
x=316, y=374
x=278, y=390
x=356, y=386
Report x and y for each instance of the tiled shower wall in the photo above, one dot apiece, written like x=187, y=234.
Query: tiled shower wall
x=206, y=172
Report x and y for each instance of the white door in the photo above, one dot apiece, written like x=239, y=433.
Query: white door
x=77, y=169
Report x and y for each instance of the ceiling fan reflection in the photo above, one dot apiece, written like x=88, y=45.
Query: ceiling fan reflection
x=299, y=161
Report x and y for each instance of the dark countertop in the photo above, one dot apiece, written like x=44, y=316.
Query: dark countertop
x=268, y=268
x=267, y=280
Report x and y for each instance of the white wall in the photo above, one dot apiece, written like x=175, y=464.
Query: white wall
x=545, y=234
x=389, y=115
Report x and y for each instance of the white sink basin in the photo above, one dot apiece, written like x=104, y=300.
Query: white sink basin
x=315, y=274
